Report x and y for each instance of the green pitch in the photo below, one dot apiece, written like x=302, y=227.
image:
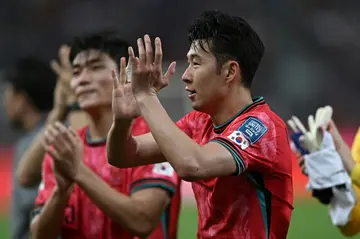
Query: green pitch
x=309, y=221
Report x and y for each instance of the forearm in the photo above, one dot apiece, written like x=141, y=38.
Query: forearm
x=119, y=207
x=346, y=156
x=180, y=150
x=29, y=169
x=49, y=222
x=121, y=146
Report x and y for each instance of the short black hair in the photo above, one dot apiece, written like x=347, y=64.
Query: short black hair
x=229, y=38
x=108, y=42
x=35, y=79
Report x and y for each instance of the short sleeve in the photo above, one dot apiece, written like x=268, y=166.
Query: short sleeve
x=252, y=143
x=47, y=184
x=160, y=175
x=185, y=124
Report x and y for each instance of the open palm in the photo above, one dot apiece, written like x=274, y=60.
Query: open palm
x=124, y=105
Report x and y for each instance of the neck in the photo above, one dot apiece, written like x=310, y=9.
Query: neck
x=100, y=123
x=31, y=120
x=230, y=106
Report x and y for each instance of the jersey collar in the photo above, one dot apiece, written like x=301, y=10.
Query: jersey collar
x=94, y=142
x=256, y=101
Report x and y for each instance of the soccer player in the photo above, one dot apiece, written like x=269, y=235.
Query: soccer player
x=351, y=162
x=28, y=172
x=28, y=97
x=233, y=148
x=82, y=196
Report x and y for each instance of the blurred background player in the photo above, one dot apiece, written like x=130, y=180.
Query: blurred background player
x=28, y=98
x=350, y=159
x=81, y=195
x=65, y=108
x=233, y=148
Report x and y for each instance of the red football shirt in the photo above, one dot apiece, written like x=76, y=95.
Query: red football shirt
x=257, y=202
x=84, y=220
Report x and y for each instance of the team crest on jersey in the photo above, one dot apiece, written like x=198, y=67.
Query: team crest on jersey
x=163, y=169
x=238, y=138
x=253, y=129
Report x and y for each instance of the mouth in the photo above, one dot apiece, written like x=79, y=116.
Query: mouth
x=84, y=92
x=191, y=92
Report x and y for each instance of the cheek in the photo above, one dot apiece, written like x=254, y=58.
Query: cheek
x=105, y=84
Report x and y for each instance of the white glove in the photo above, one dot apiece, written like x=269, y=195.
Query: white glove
x=312, y=139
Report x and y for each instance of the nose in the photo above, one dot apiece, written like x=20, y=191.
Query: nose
x=187, y=76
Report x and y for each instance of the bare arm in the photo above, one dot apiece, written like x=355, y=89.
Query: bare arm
x=139, y=213
x=28, y=172
x=47, y=224
x=190, y=160
x=124, y=150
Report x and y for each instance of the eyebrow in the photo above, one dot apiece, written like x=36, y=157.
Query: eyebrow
x=88, y=62
x=193, y=55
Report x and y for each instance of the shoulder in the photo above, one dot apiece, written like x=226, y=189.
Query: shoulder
x=259, y=124
x=195, y=119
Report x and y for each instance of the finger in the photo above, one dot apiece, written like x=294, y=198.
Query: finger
x=299, y=125
x=73, y=133
x=142, y=53
x=148, y=50
x=304, y=171
x=158, y=52
x=53, y=153
x=132, y=59
x=63, y=142
x=64, y=56
x=123, y=72
x=55, y=67
x=128, y=72
x=318, y=115
x=170, y=71
x=311, y=122
x=50, y=134
x=327, y=115
x=292, y=126
x=301, y=161
x=115, y=79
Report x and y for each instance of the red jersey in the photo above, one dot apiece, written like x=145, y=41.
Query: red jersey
x=84, y=220
x=256, y=202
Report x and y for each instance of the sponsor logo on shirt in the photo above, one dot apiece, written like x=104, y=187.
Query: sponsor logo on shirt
x=163, y=169
x=253, y=129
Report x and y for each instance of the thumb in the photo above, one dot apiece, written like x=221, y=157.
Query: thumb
x=170, y=71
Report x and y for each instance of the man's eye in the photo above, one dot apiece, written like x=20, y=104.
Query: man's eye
x=97, y=67
x=76, y=73
x=196, y=64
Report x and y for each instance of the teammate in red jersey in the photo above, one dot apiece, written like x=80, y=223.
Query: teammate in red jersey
x=82, y=196
x=234, y=148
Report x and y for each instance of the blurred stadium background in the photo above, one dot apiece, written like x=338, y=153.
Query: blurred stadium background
x=311, y=60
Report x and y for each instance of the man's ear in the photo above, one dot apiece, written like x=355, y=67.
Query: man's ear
x=231, y=71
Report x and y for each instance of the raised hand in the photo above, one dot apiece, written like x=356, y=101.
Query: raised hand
x=146, y=75
x=63, y=92
x=123, y=102
x=66, y=149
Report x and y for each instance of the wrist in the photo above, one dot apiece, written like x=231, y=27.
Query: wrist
x=143, y=96
x=63, y=191
x=144, y=99
x=81, y=174
x=57, y=114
